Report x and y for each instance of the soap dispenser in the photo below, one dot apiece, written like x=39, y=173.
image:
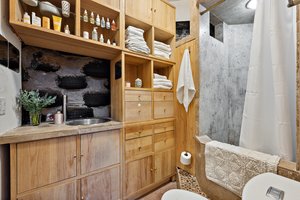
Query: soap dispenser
x=95, y=34
x=26, y=18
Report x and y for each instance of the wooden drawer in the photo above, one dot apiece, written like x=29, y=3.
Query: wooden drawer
x=163, y=127
x=136, y=148
x=163, y=109
x=163, y=96
x=138, y=96
x=138, y=111
x=164, y=141
x=138, y=131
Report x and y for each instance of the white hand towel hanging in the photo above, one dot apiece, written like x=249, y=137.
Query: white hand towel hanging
x=185, y=88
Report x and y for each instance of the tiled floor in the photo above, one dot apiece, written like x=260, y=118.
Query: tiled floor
x=157, y=194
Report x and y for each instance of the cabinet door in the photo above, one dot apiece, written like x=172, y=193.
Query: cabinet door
x=99, y=150
x=164, y=164
x=138, y=174
x=164, y=15
x=102, y=186
x=139, y=9
x=44, y=162
x=65, y=192
x=111, y=3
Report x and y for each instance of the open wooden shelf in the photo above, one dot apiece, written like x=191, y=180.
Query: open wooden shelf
x=59, y=41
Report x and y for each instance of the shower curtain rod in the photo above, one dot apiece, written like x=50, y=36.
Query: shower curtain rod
x=293, y=3
x=213, y=6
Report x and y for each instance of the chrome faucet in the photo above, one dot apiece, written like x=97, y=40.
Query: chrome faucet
x=65, y=107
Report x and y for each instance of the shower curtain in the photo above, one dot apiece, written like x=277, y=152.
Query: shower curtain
x=269, y=118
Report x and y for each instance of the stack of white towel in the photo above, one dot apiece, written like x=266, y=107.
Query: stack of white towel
x=161, y=49
x=134, y=40
x=161, y=82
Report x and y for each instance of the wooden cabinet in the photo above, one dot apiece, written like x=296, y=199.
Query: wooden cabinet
x=102, y=186
x=164, y=164
x=138, y=106
x=86, y=166
x=115, y=4
x=99, y=150
x=149, y=156
x=160, y=13
x=163, y=105
x=43, y=162
x=65, y=191
x=164, y=15
x=138, y=175
x=139, y=9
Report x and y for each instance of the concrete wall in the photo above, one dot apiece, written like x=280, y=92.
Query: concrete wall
x=224, y=69
x=10, y=84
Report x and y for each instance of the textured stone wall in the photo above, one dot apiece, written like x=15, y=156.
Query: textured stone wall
x=224, y=69
x=84, y=80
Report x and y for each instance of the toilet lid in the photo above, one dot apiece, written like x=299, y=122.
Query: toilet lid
x=258, y=186
x=176, y=194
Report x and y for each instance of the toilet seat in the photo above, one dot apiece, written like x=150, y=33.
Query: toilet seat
x=176, y=194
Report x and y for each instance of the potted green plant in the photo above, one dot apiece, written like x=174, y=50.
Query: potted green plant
x=33, y=103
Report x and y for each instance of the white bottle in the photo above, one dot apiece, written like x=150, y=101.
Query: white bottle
x=26, y=18
x=67, y=29
x=95, y=34
x=58, y=118
x=33, y=18
x=101, y=38
x=108, y=24
x=102, y=22
x=85, y=16
x=92, y=18
x=98, y=21
x=108, y=41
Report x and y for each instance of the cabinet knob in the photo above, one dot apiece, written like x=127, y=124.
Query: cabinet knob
x=165, y=110
x=154, y=10
x=81, y=155
x=164, y=97
x=74, y=156
x=139, y=97
x=82, y=198
x=139, y=105
x=151, y=9
x=140, y=148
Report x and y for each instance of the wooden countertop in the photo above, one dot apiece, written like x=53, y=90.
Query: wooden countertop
x=46, y=131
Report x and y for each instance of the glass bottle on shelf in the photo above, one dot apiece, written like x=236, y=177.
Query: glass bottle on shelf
x=85, y=16
x=95, y=34
x=108, y=24
x=113, y=25
x=102, y=22
x=67, y=29
x=108, y=41
x=92, y=18
x=98, y=21
x=101, y=38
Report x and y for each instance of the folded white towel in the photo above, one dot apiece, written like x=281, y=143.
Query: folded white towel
x=161, y=54
x=161, y=46
x=164, y=82
x=144, y=50
x=132, y=29
x=158, y=76
x=185, y=87
x=232, y=167
x=162, y=87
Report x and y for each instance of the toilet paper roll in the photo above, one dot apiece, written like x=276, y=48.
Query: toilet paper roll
x=185, y=158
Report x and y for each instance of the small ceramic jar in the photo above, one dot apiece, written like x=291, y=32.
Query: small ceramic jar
x=138, y=83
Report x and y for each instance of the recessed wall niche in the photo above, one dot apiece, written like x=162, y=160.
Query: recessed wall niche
x=216, y=27
x=85, y=80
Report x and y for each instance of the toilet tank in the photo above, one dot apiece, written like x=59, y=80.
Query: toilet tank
x=269, y=186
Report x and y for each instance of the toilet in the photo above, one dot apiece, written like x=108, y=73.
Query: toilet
x=177, y=194
x=271, y=186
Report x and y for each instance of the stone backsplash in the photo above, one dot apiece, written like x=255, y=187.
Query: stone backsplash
x=85, y=81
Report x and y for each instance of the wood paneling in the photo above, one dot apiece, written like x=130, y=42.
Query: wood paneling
x=187, y=122
x=138, y=111
x=43, y=162
x=65, y=192
x=102, y=186
x=164, y=16
x=112, y=3
x=163, y=109
x=99, y=150
x=138, y=175
x=164, y=127
x=138, y=96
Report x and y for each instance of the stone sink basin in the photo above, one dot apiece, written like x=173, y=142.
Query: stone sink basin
x=90, y=121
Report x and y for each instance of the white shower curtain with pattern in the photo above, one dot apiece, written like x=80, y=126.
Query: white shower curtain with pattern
x=269, y=118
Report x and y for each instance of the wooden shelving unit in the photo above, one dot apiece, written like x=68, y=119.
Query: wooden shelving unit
x=148, y=141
